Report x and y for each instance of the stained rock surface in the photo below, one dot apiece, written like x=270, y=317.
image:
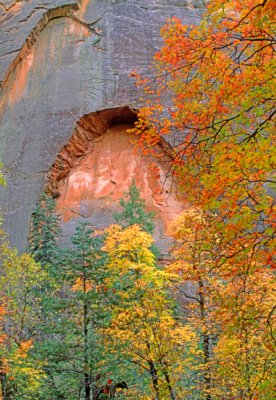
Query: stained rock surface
x=61, y=60
x=97, y=167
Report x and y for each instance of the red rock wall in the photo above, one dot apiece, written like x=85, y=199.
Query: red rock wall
x=61, y=60
x=97, y=166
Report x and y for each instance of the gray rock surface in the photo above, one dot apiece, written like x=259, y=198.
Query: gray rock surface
x=60, y=60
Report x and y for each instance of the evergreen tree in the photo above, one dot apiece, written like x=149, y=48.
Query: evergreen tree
x=74, y=345
x=134, y=211
x=44, y=231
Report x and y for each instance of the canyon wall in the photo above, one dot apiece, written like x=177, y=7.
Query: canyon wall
x=62, y=62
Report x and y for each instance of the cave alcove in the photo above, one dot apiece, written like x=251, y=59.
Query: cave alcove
x=96, y=167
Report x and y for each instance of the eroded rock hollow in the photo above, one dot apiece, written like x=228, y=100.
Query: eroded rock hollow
x=97, y=166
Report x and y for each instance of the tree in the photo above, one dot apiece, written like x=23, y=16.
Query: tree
x=143, y=326
x=85, y=272
x=21, y=281
x=219, y=77
x=219, y=80
x=134, y=211
x=2, y=178
x=194, y=255
x=229, y=304
x=44, y=231
x=74, y=344
x=244, y=356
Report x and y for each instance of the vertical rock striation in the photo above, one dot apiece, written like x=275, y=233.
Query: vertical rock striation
x=60, y=60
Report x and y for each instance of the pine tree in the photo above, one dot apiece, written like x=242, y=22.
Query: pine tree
x=134, y=211
x=44, y=231
x=84, y=273
x=74, y=346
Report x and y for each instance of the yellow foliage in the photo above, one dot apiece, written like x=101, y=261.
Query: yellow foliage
x=130, y=243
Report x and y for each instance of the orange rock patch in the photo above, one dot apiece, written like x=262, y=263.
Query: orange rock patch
x=106, y=172
x=31, y=59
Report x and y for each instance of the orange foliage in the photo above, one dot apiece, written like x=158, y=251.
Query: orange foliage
x=219, y=80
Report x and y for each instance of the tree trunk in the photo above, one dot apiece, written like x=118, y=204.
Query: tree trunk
x=5, y=388
x=206, y=344
x=207, y=378
x=154, y=377
x=169, y=385
x=87, y=386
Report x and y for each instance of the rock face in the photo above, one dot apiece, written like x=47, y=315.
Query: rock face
x=96, y=168
x=61, y=60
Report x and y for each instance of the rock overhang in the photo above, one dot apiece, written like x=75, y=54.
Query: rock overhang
x=97, y=166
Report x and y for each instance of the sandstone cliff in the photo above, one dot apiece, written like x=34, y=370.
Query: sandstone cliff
x=60, y=62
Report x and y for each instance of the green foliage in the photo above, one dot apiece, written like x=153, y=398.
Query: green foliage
x=44, y=231
x=21, y=283
x=2, y=183
x=134, y=211
x=74, y=346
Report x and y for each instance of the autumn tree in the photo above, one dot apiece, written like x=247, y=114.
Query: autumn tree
x=218, y=82
x=20, y=310
x=194, y=253
x=220, y=79
x=143, y=325
x=2, y=178
x=21, y=281
x=228, y=303
x=244, y=356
